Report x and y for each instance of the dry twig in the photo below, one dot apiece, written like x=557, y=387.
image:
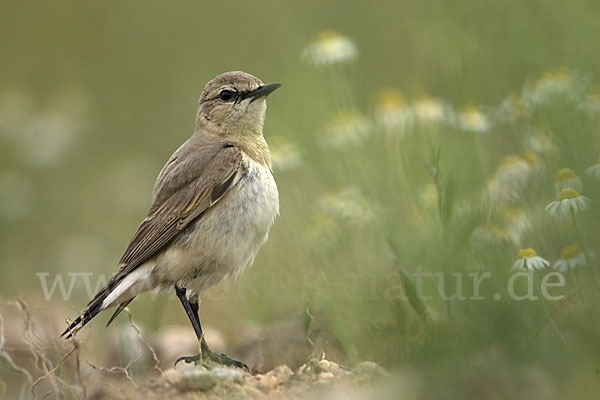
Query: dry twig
x=144, y=342
x=8, y=359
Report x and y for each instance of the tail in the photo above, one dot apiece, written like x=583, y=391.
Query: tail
x=94, y=307
x=121, y=289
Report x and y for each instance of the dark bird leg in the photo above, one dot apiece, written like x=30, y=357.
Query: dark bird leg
x=191, y=310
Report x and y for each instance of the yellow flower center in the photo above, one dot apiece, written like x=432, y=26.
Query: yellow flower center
x=515, y=101
x=390, y=99
x=564, y=174
x=567, y=193
x=347, y=117
x=530, y=157
x=571, y=251
x=556, y=74
x=527, y=253
x=470, y=110
x=510, y=160
x=328, y=35
x=498, y=232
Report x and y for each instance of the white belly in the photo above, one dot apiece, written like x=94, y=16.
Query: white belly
x=227, y=237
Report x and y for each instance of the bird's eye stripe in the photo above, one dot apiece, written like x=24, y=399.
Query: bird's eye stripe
x=241, y=96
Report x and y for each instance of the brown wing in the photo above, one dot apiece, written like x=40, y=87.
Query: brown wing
x=186, y=194
x=196, y=177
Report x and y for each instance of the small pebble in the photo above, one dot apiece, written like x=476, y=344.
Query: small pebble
x=325, y=377
x=280, y=380
x=282, y=373
x=267, y=382
x=234, y=375
x=367, y=372
x=196, y=379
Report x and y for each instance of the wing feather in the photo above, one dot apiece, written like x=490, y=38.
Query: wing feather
x=196, y=177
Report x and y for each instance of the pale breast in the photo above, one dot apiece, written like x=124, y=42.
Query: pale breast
x=227, y=237
x=252, y=206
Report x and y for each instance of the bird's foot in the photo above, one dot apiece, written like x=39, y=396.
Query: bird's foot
x=223, y=359
x=218, y=358
x=189, y=359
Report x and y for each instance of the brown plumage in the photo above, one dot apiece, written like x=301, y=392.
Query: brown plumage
x=214, y=197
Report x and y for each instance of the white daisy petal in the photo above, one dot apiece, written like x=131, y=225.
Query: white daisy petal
x=565, y=207
x=571, y=257
x=551, y=208
x=518, y=265
x=593, y=171
x=569, y=200
x=528, y=260
x=330, y=48
x=561, y=265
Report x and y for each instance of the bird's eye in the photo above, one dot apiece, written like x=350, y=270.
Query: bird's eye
x=226, y=95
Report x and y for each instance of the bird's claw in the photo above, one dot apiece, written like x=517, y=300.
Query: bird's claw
x=218, y=358
x=189, y=359
x=226, y=361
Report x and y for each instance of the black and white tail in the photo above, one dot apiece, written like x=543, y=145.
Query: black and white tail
x=97, y=304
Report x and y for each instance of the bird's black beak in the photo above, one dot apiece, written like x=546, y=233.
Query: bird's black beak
x=262, y=91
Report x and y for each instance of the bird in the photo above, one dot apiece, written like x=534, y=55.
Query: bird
x=213, y=205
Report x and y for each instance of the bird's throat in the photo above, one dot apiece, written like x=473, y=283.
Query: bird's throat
x=255, y=146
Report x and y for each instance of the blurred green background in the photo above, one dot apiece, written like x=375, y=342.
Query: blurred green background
x=95, y=96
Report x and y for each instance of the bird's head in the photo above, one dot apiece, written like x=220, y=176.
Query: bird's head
x=234, y=103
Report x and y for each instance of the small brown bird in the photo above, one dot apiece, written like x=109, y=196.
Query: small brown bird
x=213, y=205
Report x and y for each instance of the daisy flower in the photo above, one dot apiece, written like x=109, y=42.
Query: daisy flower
x=514, y=170
x=511, y=177
x=594, y=170
x=284, y=154
x=571, y=257
x=518, y=223
x=499, y=192
x=488, y=236
x=552, y=85
x=471, y=119
x=330, y=47
x=346, y=128
x=591, y=103
x=569, y=200
x=430, y=110
x=567, y=178
x=533, y=160
x=348, y=205
x=321, y=231
x=392, y=113
x=528, y=260
x=540, y=143
x=511, y=109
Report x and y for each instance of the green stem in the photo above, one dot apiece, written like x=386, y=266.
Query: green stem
x=584, y=247
x=340, y=87
x=550, y=318
x=578, y=277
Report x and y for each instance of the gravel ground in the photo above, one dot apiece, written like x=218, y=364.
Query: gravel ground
x=315, y=379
